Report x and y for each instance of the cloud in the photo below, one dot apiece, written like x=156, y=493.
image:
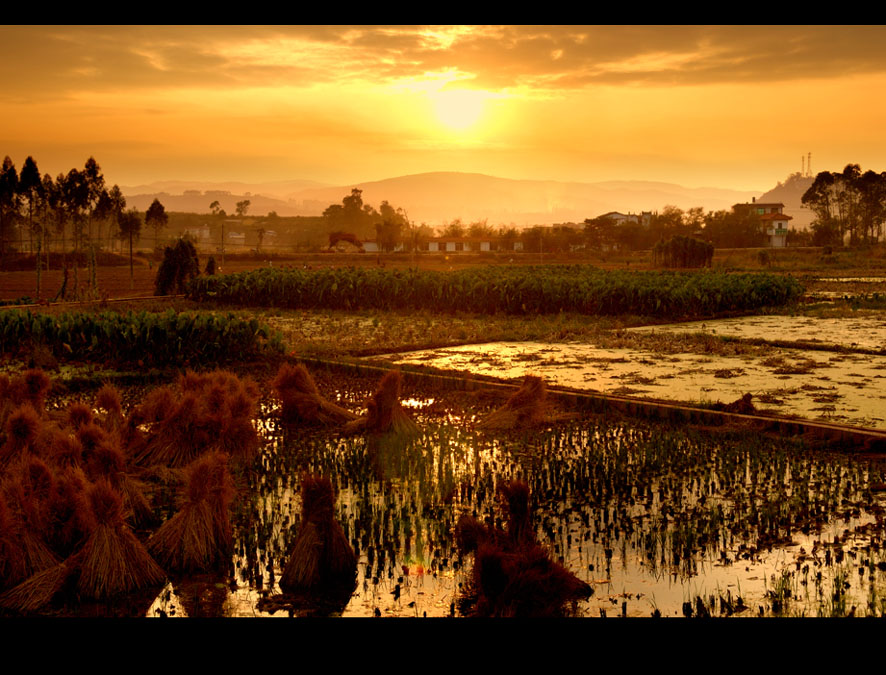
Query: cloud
x=48, y=61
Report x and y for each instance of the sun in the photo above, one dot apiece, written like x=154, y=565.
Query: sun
x=459, y=109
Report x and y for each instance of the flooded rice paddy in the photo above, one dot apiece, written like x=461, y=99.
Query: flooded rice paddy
x=840, y=378
x=658, y=520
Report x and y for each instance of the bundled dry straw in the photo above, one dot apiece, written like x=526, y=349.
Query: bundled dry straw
x=22, y=429
x=513, y=575
x=528, y=407
x=199, y=537
x=321, y=563
x=383, y=410
x=112, y=562
x=207, y=413
x=302, y=402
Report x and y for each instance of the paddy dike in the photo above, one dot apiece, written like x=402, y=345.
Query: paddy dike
x=835, y=373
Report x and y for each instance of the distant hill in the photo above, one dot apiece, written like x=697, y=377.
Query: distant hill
x=440, y=197
x=196, y=196
x=790, y=193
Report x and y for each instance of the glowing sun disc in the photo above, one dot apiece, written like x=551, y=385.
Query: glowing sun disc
x=459, y=109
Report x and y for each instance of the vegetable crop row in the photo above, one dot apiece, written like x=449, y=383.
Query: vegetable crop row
x=510, y=290
x=149, y=338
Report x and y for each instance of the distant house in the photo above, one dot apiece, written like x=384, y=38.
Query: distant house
x=371, y=246
x=200, y=235
x=773, y=219
x=620, y=218
x=644, y=219
x=459, y=244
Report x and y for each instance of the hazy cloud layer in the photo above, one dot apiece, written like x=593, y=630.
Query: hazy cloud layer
x=48, y=61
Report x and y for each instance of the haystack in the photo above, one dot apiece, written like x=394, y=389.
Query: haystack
x=513, y=575
x=383, y=410
x=112, y=562
x=13, y=564
x=302, y=402
x=22, y=428
x=322, y=565
x=109, y=401
x=106, y=460
x=208, y=413
x=199, y=537
x=526, y=408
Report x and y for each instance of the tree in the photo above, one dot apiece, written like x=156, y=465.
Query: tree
x=454, y=229
x=156, y=218
x=352, y=215
x=179, y=266
x=8, y=203
x=738, y=228
x=388, y=235
x=117, y=204
x=130, y=228
x=30, y=186
x=847, y=203
x=242, y=208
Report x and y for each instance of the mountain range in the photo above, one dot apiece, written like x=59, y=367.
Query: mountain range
x=440, y=197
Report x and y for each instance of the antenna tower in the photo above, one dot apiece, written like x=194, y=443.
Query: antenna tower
x=809, y=165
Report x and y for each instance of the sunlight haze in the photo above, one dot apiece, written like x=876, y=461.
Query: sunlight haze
x=733, y=107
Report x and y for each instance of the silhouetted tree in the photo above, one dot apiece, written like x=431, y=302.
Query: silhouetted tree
x=242, y=208
x=130, y=228
x=117, y=203
x=8, y=203
x=180, y=265
x=849, y=202
x=30, y=186
x=156, y=218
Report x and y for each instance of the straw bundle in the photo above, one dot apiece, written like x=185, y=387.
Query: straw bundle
x=321, y=563
x=527, y=407
x=209, y=413
x=199, y=536
x=22, y=428
x=71, y=515
x=32, y=386
x=383, y=410
x=109, y=400
x=37, y=590
x=112, y=562
x=302, y=402
x=13, y=564
x=513, y=574
x=78, y=415
x=106, y=460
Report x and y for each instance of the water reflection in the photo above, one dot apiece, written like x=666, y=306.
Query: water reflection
x=652, y=517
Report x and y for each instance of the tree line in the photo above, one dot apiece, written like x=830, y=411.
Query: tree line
x=74, y=212
x=848, y=204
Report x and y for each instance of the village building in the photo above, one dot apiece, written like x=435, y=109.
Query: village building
x=774, y=220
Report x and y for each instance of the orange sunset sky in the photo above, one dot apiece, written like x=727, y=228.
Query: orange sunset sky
x=732, y=106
